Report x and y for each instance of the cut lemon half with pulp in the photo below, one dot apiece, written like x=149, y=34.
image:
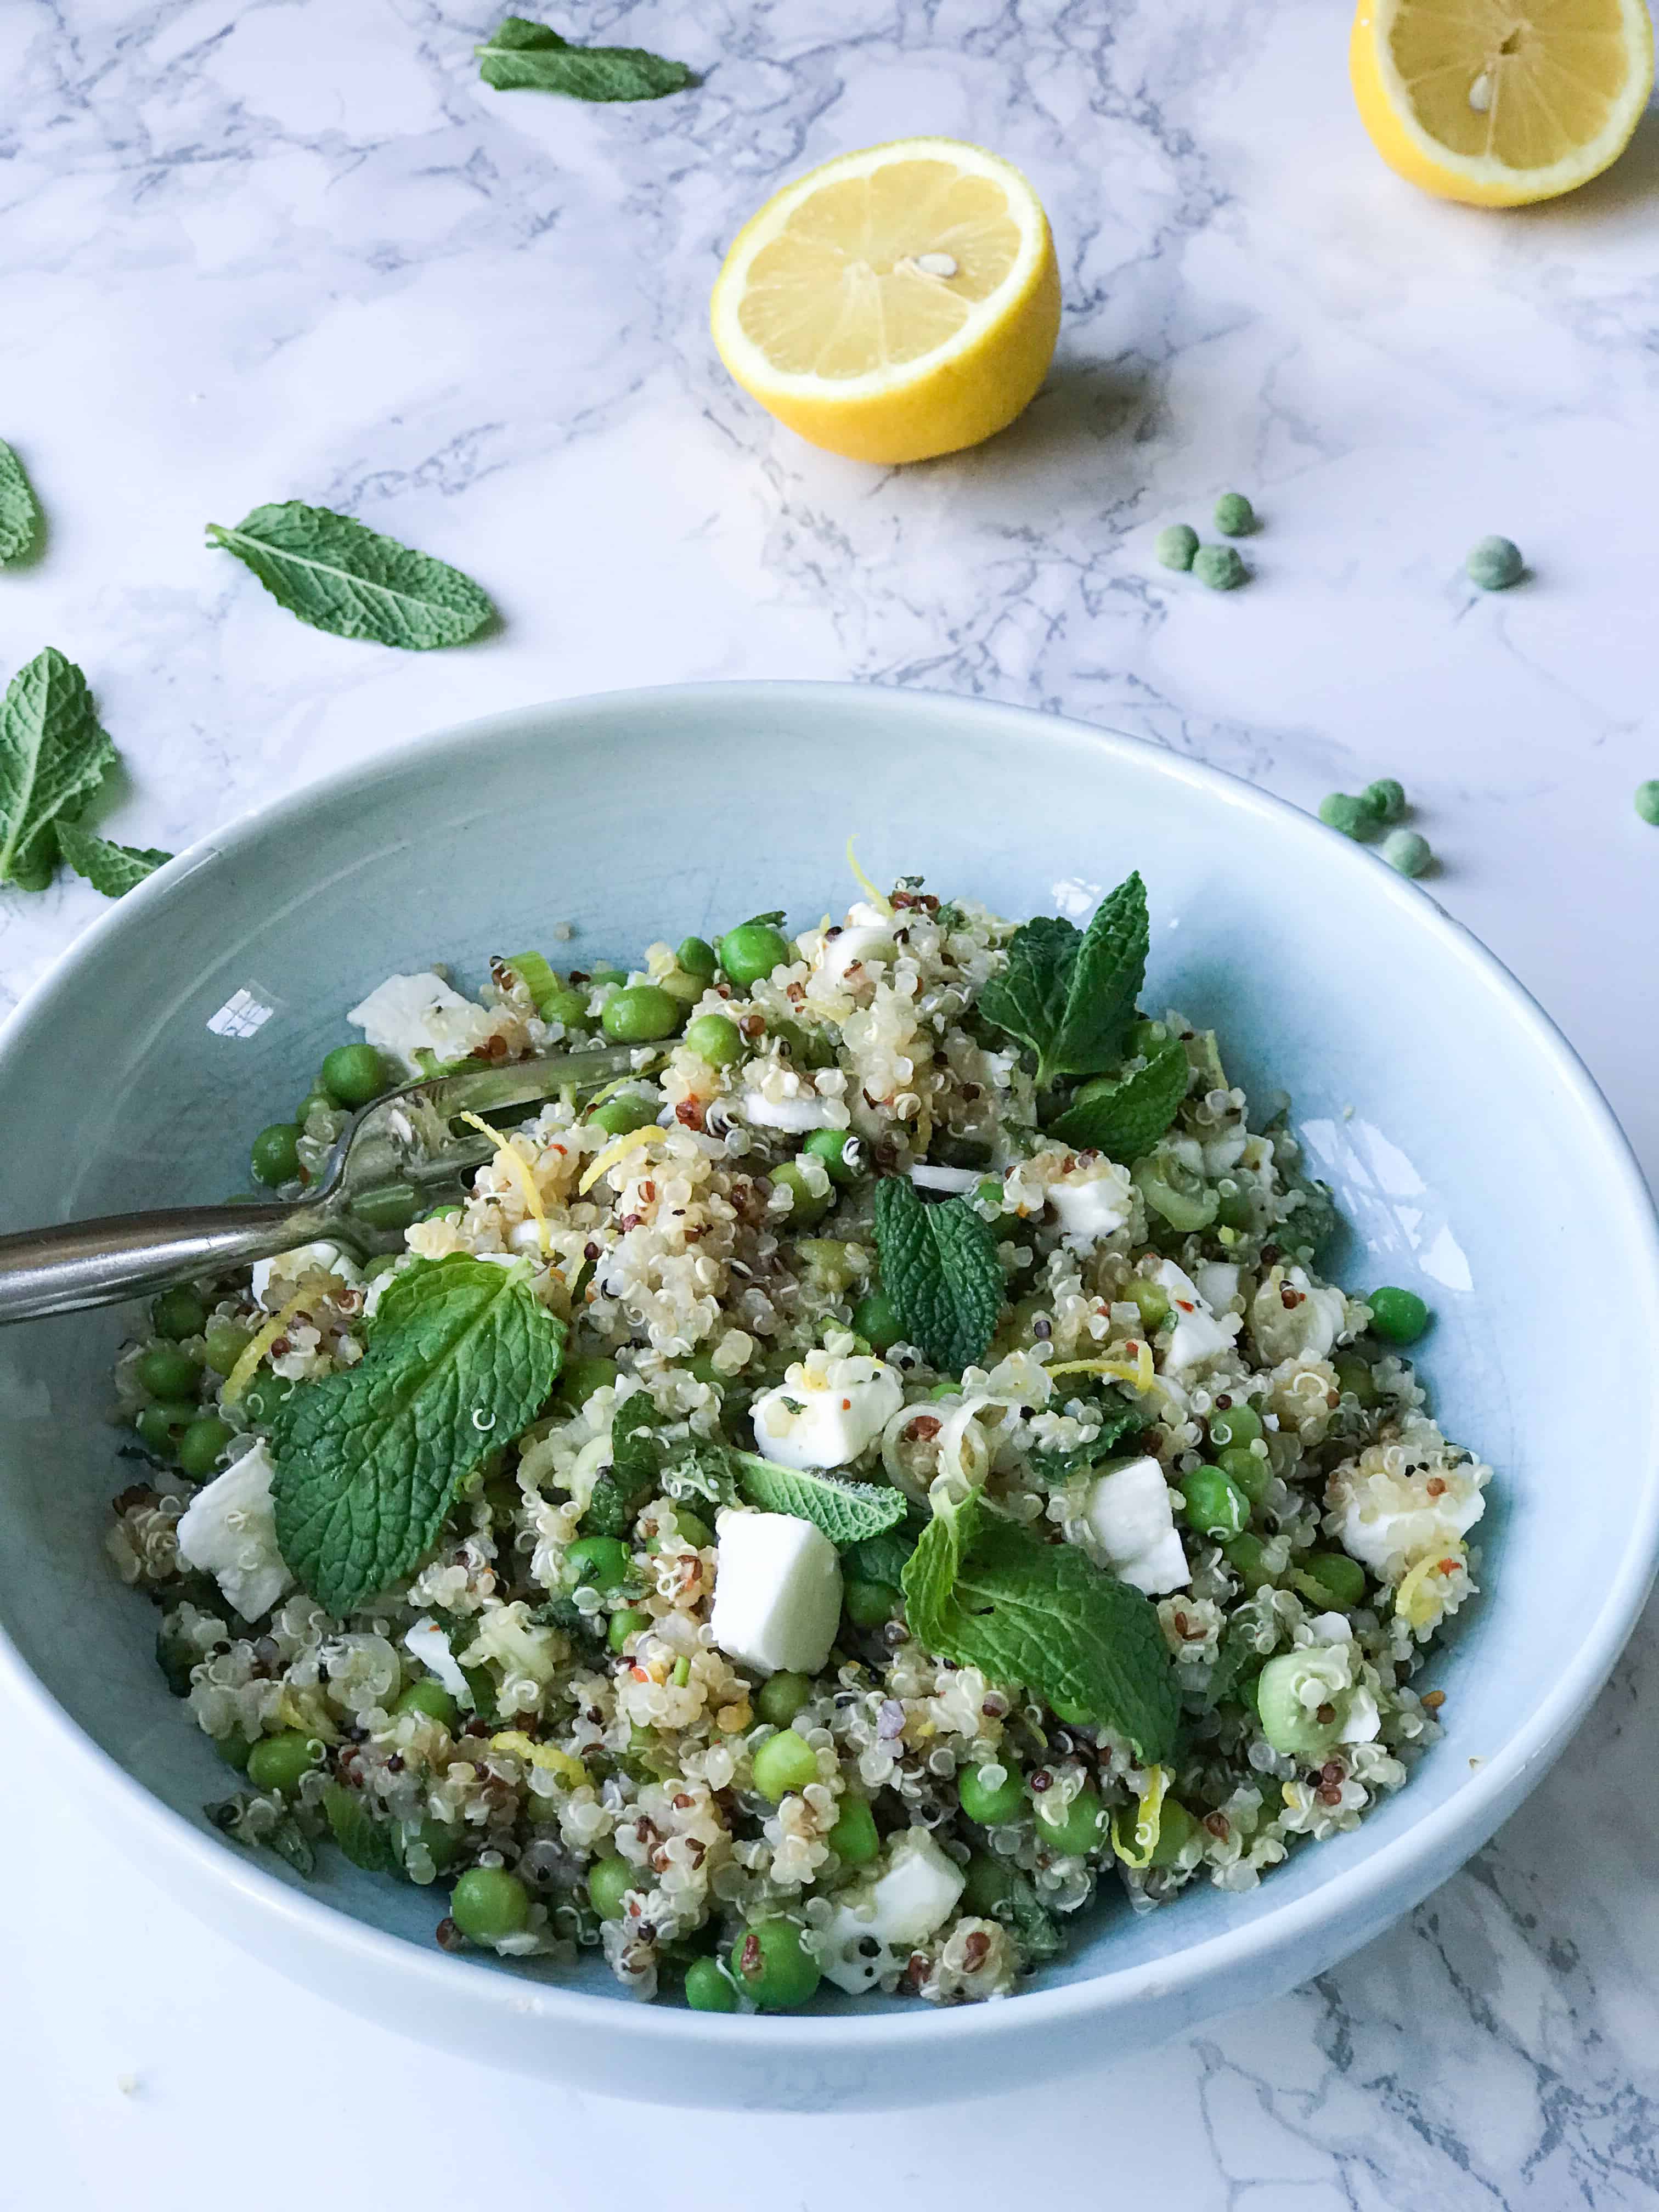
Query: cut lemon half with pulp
x=897, y=303
x=1498, y=102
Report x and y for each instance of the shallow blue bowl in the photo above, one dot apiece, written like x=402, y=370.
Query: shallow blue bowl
x=1473, y=1157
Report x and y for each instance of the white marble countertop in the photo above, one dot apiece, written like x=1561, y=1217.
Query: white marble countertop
x=264, y=249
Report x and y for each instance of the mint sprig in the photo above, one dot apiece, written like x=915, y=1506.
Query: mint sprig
x=846, y=1512
x=521, y=56
x=108, y=867
x=461, y=1359
x=1125, y=1120
x=20, y=515
x=940, y=1268
x=53, y=755
x=339, y=575
x=1070, y=994
x=989, y=1593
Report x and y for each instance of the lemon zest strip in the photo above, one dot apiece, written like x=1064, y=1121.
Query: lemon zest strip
x=877, y=899
x=254, y=1351
x=1148, y=1821
x=608, y=1159
x=1142, y=1375
x=569, y=1770
x=518, y=1167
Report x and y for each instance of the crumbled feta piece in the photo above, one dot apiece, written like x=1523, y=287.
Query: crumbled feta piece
x=229, y=1531
x=1309, y=1325
x=427, y=1642
x=1092, y=1201
x=957, y=1181
x=1133, y=1520
x=777, y=1592
x=803, y=1422
x=1389, y=1522
x=274, y=1281
x=1361, y=1723
x=1218, y=1283
x=867, y=936
x=1197, y=1336
x=1222, y=1154
x=915, y=1893
x=795, y=1115
x=421, y=1014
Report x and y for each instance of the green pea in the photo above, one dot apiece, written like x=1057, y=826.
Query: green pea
x=752, y=951
x=354, y=1073
x=853, y=1839
x=1234, y=1210
x=179, y=1313
x=1176, y=544
x=262, y=1398
x=618, y=1117
x=1385, y=798
x=869, y=1604
x=201, y=1446
x=275, y=1156
x=640, y=1014
x=235, y=1750
x=1350, y=816
x=1175, y=1829
x=599, y=1562
x=1240, y=1464
x=1246, y=1554
x=708, y=1987
x=1354, y=1379
x=1647, y=800
x=449, y=1211
x=580, y=1379
x=809, y=1206
x=627, y=1621
x=1234, y=515
x=166, y=1372
x=1494, y=564
x=780, y=1697
x=1151, y=1299
x=840, y=1150
x=564, y=1004
x=1219, y=566
x=1237, y=1424
x=226, y=1340
x=1078, y=1828
x=827, y=1262
x=1407, y=853
x=431, y=1700
x=784, y=1762
x=1216, y=1506
x=1330, y=1580
x=1288, y=1724
x=1174, y=1193
x=772, y=1965
x=316, y=1102
x=715, y=1038
x=876, y=1320
x=488, y=1902
x=989, y=1885
x=282, y=1762
x=993, y=1807
x=1399, y=1315
x=439, y=1841
x=685, y=990
x=161, y=1425
x=697, y=956
x=609, y=1881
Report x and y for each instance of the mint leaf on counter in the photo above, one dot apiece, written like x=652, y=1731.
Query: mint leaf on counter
x=461, y=1359
x=110, y=868
x=340, y=576
x=991, y=1594
x=1126, y=1120
x=940, y=1268
x=846, y=1512
x=1070, y=994
x=53, y=755
x=525, y=57
x=20, y=515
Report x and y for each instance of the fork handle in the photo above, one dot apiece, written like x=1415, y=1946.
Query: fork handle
x=126, y=1255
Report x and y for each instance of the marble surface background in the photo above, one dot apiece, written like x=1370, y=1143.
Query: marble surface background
x=264, y=249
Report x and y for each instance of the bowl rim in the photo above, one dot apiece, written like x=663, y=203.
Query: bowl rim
x=1404, y=1867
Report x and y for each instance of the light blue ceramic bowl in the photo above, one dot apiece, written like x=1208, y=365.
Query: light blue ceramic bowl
x=1471, y=1153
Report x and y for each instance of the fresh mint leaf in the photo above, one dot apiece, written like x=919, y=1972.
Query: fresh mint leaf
x=940, y=1268
x=53, y=755
x=1128, y=1120
x=884, y=1558
x=1118, y=1419
x=338, y=575
x=1034, y=1925
x=525, y=57
x=355, y=1830
x=111, y=869
x=1070, y=994
x=992, y=1594
x=846, y=1512
x=20, y=515
x=461, y=1359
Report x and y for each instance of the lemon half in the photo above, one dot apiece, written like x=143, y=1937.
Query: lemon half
x=1499, y=102
x=897, y=303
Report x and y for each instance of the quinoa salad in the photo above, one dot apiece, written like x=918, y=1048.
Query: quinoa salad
x=821, y=1508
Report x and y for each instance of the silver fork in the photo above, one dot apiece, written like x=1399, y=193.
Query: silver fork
x=399, y=1150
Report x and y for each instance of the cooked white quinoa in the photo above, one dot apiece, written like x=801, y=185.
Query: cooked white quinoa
x=685, y=1271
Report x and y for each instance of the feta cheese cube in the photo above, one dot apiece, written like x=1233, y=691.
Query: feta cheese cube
x=917, y=1892
x=803, y=1423
x=229, y=1531
x=1129, y=1512
x=421, y=1014
x=1218, y=1283
x=1091, y=1202
x=777, y=1592
x=1197, y=1336
x=427, y=1642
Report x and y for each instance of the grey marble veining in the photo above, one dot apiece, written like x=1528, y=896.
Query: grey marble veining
x=259, y=249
